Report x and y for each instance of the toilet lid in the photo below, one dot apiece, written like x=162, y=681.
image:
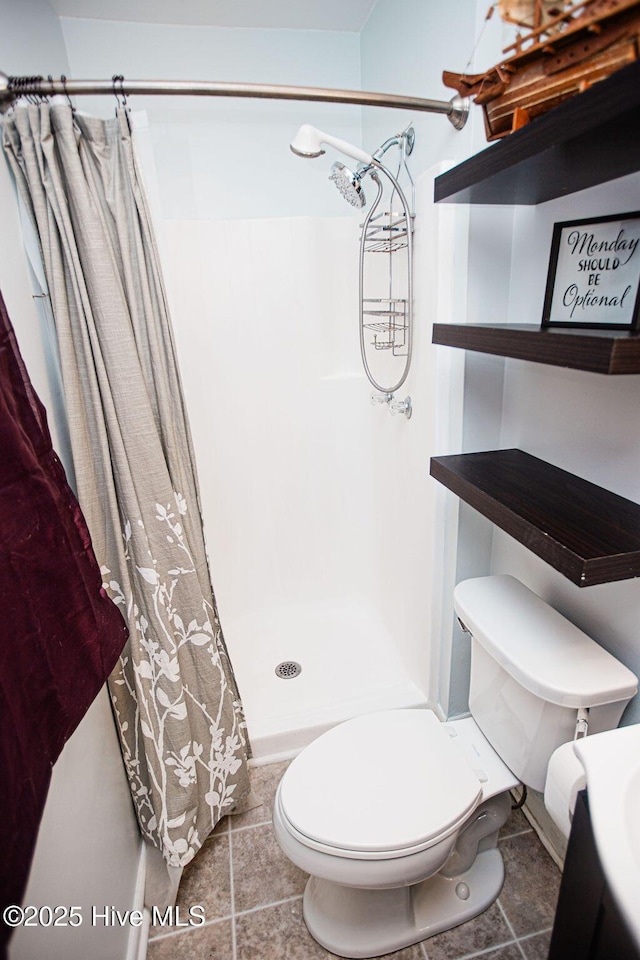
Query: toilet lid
x=389, y=782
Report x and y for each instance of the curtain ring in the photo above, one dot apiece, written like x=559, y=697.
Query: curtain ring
x=35, y=98
x=40, y=96
x=119, y=78
x=17, y=88
x=63, y=81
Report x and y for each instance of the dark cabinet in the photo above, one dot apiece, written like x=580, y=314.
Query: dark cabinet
x=588, y=924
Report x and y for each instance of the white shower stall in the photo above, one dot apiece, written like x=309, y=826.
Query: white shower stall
x=318, y=507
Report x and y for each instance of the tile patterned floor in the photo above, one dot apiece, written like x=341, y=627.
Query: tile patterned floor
x=252, y=899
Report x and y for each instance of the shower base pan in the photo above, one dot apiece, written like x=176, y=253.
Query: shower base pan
x=347, y=667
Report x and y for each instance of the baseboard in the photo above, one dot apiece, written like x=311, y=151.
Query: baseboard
x=139, y=936
x=274, y=757
x=552, y=839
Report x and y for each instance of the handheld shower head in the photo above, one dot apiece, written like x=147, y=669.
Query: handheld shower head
x=308, y=143
x=349, y=184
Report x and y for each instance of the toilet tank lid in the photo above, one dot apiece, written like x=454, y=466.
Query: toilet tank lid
x=546, y=653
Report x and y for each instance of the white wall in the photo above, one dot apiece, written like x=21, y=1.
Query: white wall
x=405, y=46
x=89, y=849
x=88, y=846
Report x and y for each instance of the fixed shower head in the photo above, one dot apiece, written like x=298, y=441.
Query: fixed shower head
x=349, y=184
x=308, y=143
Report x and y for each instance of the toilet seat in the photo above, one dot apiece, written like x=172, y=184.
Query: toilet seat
x=379, y=786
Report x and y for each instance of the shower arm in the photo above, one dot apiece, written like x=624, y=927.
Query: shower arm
x=406, y=140
x=13, y=87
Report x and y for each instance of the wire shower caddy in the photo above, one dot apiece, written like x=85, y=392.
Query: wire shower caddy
x=386, y=322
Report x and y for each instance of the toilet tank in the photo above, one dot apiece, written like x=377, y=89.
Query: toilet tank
x=531, y=671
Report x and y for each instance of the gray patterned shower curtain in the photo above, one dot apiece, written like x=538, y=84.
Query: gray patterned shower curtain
x=174, y=696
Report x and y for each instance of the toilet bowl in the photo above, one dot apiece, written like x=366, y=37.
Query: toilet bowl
x=395, y=815
x=377, y=805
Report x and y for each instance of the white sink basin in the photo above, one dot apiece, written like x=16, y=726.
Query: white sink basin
x=612, y=764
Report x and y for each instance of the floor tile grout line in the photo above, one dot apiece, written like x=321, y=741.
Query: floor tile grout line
x=250, y=826
x=537, y=933
x=510, y=926
x=180, y=933
x=266, y=906
x=506, y=918
x=530, y=936
x=519, y=833
x=488, y=950
x=231, y=916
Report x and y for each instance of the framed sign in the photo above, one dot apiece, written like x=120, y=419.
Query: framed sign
x=593, y=276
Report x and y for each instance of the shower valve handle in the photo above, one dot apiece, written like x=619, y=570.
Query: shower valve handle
x=379, y=398
x=401, y=407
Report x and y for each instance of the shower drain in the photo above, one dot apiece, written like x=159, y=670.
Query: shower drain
x=288, y=669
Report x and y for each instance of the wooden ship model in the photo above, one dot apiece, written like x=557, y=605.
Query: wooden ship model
x=568, y=47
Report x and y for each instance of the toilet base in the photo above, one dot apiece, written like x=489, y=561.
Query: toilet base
x=358, y=923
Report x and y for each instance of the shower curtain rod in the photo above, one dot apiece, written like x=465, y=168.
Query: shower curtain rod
x=456, y=109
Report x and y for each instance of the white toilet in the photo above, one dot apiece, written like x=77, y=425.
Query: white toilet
x=396, y=814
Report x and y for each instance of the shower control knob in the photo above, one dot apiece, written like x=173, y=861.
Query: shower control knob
x=401, y=407
x=377, y=398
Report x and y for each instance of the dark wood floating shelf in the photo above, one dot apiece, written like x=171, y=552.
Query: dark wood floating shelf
x=587, y=533
x=590, y=139
x=600, y=351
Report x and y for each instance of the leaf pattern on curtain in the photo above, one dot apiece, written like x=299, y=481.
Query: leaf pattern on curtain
x=174, y=695
x=150, y=672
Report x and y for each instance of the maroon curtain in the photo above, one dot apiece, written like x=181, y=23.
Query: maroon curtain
x=60, y=635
